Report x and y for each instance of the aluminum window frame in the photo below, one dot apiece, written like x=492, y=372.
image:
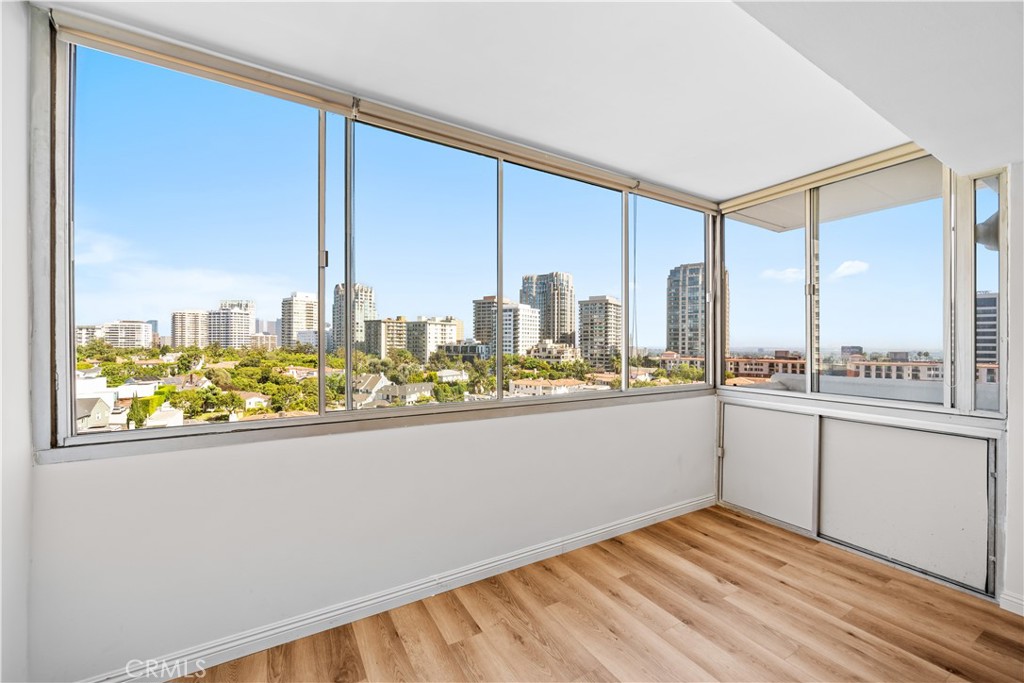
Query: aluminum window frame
x=965, y=285
x=958, y=285
x=55, y=36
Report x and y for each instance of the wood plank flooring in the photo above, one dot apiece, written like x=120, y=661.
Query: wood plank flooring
x=713, y=595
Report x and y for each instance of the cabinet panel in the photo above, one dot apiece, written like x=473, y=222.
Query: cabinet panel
x=768, y=465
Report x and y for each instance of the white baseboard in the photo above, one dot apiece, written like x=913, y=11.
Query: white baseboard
x=1012, y=602
x=226, y=649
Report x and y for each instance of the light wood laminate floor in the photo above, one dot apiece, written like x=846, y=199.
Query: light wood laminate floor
x=713, y=595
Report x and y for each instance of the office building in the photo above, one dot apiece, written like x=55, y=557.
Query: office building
x=986, y=325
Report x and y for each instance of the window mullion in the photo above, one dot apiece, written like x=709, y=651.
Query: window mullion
x=624, y=341
x=321, y=336
x=812, y=292
x=349, y=256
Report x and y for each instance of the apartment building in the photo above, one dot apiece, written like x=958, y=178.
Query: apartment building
x=384, y=335
x=127, y=334
x=364, y=307
x=520, y=325
x=424, y=335
x=554, y=296
x=298, y=312
x=600, y=330
x=686, y=310
x=190, y=328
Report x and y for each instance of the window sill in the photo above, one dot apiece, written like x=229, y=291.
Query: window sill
x=138, y=442
x=877, y=411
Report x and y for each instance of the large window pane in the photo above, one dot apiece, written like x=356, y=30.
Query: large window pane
x=668, y=301
x=425, y=247
x=986, y=297
x=763, y=296
x=881, y=284
x=562, y=245
x=195, y=214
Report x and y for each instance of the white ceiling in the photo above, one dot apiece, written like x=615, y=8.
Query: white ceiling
x=948, y=74
x=697, y=96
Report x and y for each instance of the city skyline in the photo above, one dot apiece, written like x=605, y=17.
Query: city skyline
x=424, y=226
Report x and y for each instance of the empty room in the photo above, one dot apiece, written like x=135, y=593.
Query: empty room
x=512, y=341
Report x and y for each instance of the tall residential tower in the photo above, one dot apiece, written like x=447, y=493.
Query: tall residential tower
x=554, y=296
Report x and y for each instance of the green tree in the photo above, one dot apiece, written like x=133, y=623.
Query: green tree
x=230, y=401
x=189, y=359
x=402, y=357
x=221, y=377
x=189, y=402
x=118, y=373
x=97, y=349
x=138, y=413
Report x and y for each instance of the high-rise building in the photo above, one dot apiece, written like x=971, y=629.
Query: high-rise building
x=232, y=325
x=364, y=307
x=686, y=310
x=156, y=331
x=424, y=335
x=298, y=312
x=243, y=305
x=190, y=328
x=128, y=334
x=384, y=335
x=986, y=327
x=520, y=324
x=554, y=296
x=600, y=330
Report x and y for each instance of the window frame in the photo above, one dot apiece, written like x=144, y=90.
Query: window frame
x=56, y=35
x=958, y=202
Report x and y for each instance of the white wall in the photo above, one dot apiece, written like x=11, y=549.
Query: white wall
x=143, y=556
x=1012, y=596
x=16, y=453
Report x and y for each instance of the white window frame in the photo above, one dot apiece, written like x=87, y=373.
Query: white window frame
x=54, y=36
x=958, y=285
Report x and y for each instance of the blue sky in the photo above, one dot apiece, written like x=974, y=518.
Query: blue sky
x=189, y=191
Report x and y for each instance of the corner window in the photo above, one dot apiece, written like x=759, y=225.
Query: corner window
x=668, y=309
x=881, y=286
x=236, y=258
x=763, y=298
x=987, y=331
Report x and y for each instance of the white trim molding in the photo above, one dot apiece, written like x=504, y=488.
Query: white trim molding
x=216, y=652
x=1012, y=602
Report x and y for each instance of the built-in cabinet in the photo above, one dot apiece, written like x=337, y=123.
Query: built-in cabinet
x=768, y=463
x=915, y=496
